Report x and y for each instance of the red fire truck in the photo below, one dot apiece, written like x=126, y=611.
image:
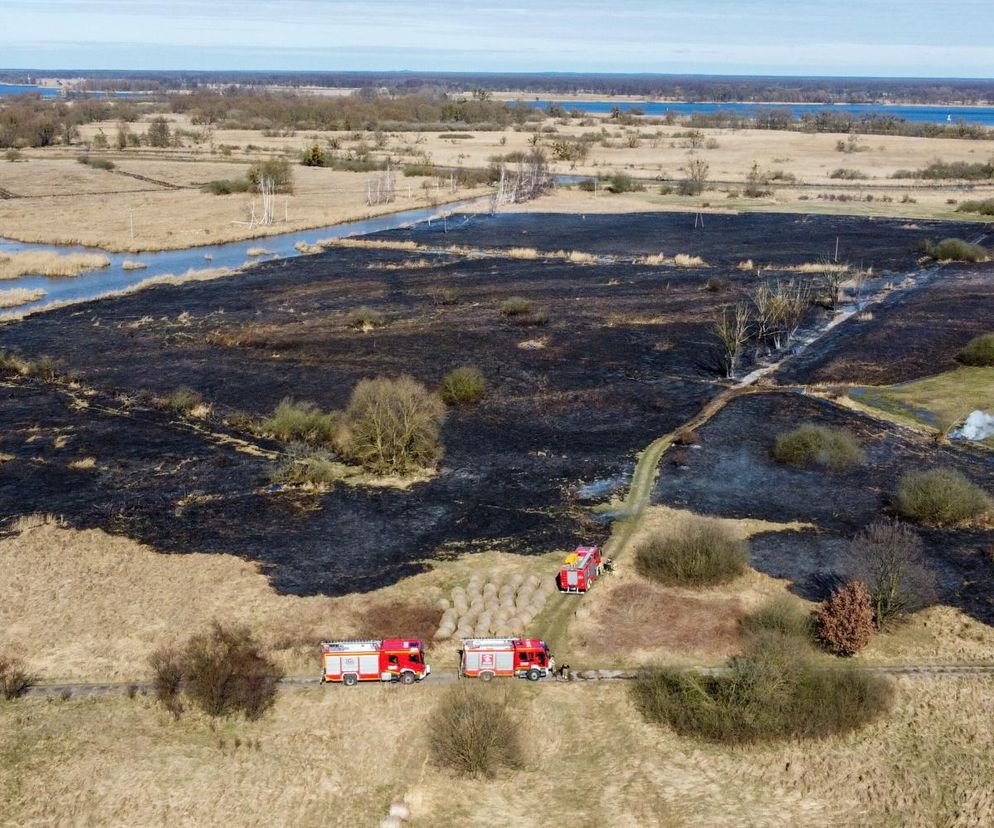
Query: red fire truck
x=389, y=659
x=580, y=569
x=485, y=658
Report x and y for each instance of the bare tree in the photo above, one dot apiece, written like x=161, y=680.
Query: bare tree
x=697, y=177
x=780, y=309
x=732, y=329
x=888, y=557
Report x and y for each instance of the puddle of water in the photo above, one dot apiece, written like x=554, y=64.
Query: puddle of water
x=114, y=279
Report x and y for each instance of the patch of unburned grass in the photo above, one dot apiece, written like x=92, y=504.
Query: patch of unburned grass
x=20, y=296
x=817, y=445
x=30, y=263
x=694, y=551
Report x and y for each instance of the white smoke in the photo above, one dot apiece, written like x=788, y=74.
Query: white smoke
x=978, y=426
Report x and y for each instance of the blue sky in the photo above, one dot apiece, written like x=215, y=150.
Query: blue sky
x=811, y=37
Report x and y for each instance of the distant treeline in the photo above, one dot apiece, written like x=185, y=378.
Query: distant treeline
x=239, y=108
x=31, y=121
x=759, y=89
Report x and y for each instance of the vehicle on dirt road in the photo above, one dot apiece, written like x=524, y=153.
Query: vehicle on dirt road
x=390, y=659
x=580, y=569
x=487, y=658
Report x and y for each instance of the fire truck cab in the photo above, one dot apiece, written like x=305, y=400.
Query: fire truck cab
x=389, y=659
x=580, y=569
x=485, y=658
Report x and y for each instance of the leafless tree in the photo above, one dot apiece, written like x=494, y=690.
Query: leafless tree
x=732, y=330
x=888, y=557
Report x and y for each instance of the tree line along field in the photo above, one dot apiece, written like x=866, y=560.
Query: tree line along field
x=143, y=419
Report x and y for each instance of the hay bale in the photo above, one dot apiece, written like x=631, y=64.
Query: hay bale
x=443, y=603
x=489, y=588
x=517, y=579
x=400, y=811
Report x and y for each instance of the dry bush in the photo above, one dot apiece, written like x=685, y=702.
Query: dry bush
x=15, y=265
x=522, y=253
x=257, y=251
x=781, y=616
x=955, y=250
x=15, y=680
x=222, y=671
x=515, y=306
x=978, y=351
x=463, y=386
x=940, y=497
x=302, y=464
x=183, y=400
x=810, y=444
x=887, y=556
x=399, y=619
x=695, y=552
x=718, y=284
x=685, y=260
x=300, y=421
x=365, y=319
x=392, y=426
x=687, y=437
x=845, y=621
x=20, y=296
x=475, y=731
x=132, y=264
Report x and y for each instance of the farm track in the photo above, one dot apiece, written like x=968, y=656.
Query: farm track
x=89, y=689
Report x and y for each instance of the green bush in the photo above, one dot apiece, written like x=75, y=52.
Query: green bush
x=463, y=386
x=183, y=400
x=984, y=207
x=300, y=421
x=777, y=690
x=955, y=250
x=227, y=186
x=303, y=464
x=474, y=730
x=515, y=306
x=810, y=444
x=784, y=616
x=695, y=552
x=392, y=426
x=978, y=351
x=940, y=497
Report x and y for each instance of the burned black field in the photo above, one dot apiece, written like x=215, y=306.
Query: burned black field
x=733, y=474
x=614, y=355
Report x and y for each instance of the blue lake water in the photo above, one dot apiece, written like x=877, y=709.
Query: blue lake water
x=981, y=115
x=12, y=89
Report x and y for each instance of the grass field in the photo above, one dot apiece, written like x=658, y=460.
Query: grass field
x=940, y=401
x=330, y=756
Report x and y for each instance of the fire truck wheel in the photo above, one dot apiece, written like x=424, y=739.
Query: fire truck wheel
x=407, y=678
x=350, y=679
x=486, y=675
x=534, y=675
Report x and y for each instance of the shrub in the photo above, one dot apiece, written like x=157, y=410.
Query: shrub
x=811, y=444
x=718, y=284
x=474, y=730
x=887, y=557
x=278, y=170
x=463, y=386
x=15, y=680
x=687, y=437
x=392, y=426
x=845, y=621
x=696, y=552
x=847, y=174
x=515, y=306
x=940, y=497
x=782, y=616
x=222, y=671
x=776, y=690
x=227, y=186
x=954, y=250
x=301, y=421
x=303, y=464
x=313, y=157
x=624, y=183
x=984, y=207
x=365, y=319
x=13, y=155
x=96, y=163
x=978, y=351
x=183, y=400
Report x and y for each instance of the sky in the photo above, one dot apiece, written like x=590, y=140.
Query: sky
x=913, y=38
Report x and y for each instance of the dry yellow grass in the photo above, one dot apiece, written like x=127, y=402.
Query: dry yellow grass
x=522, y=253
x=41, y=263
x=326, y=752
x=20, y=296
x=133, y=264
x=685, y=260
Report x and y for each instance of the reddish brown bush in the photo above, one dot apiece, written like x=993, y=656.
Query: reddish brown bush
x=679, y=457
x=845, y=620
x=689, y=437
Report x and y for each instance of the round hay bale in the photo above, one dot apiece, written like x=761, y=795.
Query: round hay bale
x=391, y=822
x=442, y=633
x=443, y=603
x=532, y=580
x=490, y=588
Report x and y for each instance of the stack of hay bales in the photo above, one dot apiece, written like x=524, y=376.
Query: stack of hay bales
x=501, y=606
